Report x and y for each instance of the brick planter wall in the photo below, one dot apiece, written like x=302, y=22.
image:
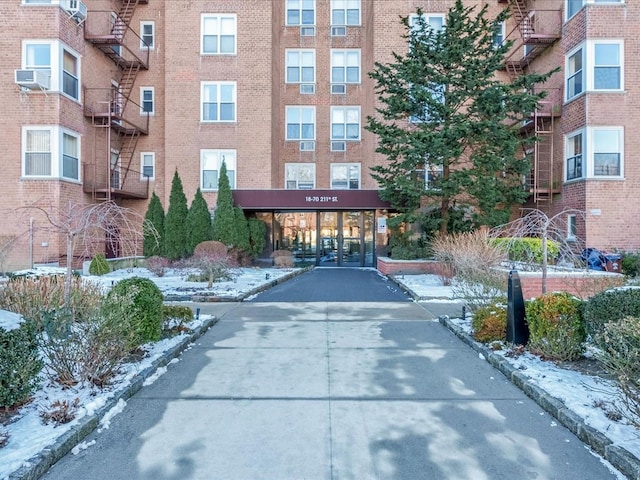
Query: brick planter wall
x=581, y=283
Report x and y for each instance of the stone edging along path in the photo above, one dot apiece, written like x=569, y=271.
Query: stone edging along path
x=619, y=457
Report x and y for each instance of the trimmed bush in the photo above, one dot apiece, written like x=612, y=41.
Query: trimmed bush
x=99, y=265
x=527, y=250
x=630, y=263
x=174, y=317
x=282, y=259
x=610, y=306
x=211, y=247
x=19, y=364
x=146, y=310
x=490, y=323
x=620, y=354
x=556, y=326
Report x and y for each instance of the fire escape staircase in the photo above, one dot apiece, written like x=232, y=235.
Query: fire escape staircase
x=536, y=30
x=110, y=33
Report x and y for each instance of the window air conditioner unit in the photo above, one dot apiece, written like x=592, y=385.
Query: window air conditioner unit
x=307, y=31
x=76, y=9
x=338, y=89
x=32, y=79
x=339, y=31
x=307, y=146
x=307, y=88
x=338, y=146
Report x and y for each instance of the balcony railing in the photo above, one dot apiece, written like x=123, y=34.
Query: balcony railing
x=535, y=32
x=108, y=106
x=119, y=182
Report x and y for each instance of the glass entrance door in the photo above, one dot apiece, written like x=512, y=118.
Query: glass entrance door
x=346, y=238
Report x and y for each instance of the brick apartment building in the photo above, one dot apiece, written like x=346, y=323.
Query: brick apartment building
x=106, y=99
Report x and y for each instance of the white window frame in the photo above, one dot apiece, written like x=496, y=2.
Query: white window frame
x=572, y=227
x=580, y=4
x=302, y=113
x=56, y=152
x=347, y=113
x=591, y=62
x=499, y=34
x=299, y=176
x=300, y=64
x=147, y=160
x=151, y=45
x=299, y=6
x=342, y=60
x=143, y=100
x=572, y=73
x=218, y=21
x=204, y=89
x=56, y=69
x=438, y=18
x=346, y=6
x=213, y=158
x=593, y=147
x=570, y=154
x=346, y=176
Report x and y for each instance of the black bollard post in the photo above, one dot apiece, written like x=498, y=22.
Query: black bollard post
x=197, y=313
x=517, y=328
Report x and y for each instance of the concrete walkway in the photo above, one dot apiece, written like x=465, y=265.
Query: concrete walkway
x=323, y=390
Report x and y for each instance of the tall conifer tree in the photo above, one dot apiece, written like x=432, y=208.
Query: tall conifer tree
x=199, y=227
x=223, y=219
x=445, y=121
x=154, y=245
x=175, y=221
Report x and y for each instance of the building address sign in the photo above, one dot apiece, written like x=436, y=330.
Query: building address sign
x=316, y=199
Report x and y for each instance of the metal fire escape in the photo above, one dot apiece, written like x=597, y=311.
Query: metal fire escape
x=534, y=32
x=110, y=108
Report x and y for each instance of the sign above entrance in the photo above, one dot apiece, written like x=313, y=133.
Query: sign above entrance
x=308, y=199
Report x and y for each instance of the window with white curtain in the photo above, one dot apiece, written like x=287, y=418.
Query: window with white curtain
x=210, y=164
x=219, y=32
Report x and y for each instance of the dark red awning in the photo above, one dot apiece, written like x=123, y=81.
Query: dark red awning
x=308, y=199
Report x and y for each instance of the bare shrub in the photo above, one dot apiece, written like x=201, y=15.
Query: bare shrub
x=60, y=412
x=32, y=297
x=282, y=259
x=213, y=263
x=157, y=265
x=474, y=259
x=444, y=271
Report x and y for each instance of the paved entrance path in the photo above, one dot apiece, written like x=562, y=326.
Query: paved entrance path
x=359, y=391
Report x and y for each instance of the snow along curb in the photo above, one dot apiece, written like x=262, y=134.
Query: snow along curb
x=38, y=465
x=619, y=457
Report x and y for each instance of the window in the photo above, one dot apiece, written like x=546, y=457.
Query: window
x=218, y=101
x=427, y=101
x=345, y=12
x=300, y=176
x=607, y=151
x=218, y=34
x=573, y=7
x=56, y=60
x=435, y=21
x=210, y=164
x=147, y=100
x=607, y=66
x=572, y=227
x=575, y=75
x=301, y=12
x=345, y=123
x=301, y=66
x=345, y=176
x=301, y=123
x=147, y=35
x=428, y=174
x=50, y=152
x=574, y=149
x=499, y=34
x=148, y=165
x=345, y=66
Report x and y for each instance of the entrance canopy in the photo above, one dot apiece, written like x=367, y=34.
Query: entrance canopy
x=308, y=199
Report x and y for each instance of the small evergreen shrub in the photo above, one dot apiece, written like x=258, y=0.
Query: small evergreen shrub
x=146, y=311
x=610, y=306
x=556, y=326
x=527, y=250
x=490, y=323
x=620, y=354
x=99, y=265
x=157, y=265
x=630, y=263
x=20, y=364
x=174, y=317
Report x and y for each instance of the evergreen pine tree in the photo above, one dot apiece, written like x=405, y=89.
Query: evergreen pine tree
x=153, y=243
x=257, y=232
x=241, y=227
x=445, y=122
x=223, y=219
x=175, y=221
x=199, y=227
